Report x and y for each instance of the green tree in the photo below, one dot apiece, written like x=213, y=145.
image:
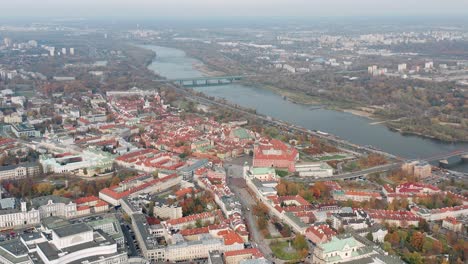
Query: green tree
x=300, y=242
x=413, y=258
x=151, y=209
x=387, y=247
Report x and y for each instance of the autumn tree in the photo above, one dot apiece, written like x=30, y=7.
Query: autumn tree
x=417, y=240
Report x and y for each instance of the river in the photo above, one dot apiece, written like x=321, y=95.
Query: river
x=173, y=63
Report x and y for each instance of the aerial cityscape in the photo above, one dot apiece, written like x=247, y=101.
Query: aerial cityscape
x=233, y=132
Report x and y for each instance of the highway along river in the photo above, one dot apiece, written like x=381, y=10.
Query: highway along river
x=173, y=63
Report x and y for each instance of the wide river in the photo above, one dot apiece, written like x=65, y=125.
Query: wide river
x=173, y=63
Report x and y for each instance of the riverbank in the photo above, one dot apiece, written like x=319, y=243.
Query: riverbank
x=207, y=71
x=367, y=112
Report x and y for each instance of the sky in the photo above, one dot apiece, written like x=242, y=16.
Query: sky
x=228, y=8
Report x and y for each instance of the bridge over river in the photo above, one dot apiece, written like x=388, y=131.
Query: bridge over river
x=205, y=81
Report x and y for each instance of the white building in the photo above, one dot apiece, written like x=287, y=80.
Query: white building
x=53, y=205
x=429, y=65
x=12, y=218
x=79, y=243
x=402, y=67
x=191, y=250
x=338, y=250
x=93, y=160
x=20, y=171
x=167, y=211
x=314, y=169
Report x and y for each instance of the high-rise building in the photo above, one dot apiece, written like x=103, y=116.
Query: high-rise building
x=64, y=51
x=372, y=69
x=8, y=42
x=402, y=67
x=72, y=51
x=429, y=65
x=32, y=43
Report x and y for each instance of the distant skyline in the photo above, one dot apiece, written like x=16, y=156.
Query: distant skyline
x=228, y=8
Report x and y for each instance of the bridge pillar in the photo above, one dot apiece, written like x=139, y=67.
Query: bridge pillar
x=464, y=158
x=443, y=163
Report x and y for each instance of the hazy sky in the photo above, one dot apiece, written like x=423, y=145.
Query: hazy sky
x=225, y=8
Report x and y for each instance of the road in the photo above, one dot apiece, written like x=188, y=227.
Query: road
x=349, y=175
x=129, y=240
x=237, y=184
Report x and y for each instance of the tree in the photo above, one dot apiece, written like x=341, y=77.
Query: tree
x=387, y=247
x=262, y=223
x=115, y=181
x=43, y=188
x=427, y=246
x=300, y=242
x=151, y=209
x=393, y=238
x=417, y=240
x=413, y=258
x=370, y=237
x=423, y=225
x=198, y=223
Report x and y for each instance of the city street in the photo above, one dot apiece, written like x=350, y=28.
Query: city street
x=237, y=184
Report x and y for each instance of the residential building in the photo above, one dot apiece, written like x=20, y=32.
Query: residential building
x=137, y=185
x=24, y=130
x=236, y=256
x=19, y=171
x=359, y=196
x=451, y=223
x=319, y=234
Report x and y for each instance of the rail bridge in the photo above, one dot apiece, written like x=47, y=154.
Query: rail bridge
x=204, y=81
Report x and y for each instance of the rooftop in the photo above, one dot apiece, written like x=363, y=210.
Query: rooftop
x=73, y=229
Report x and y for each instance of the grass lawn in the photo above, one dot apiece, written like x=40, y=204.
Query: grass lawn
x=332, y=157
x=350, y=166
x=280, y=249
x=282, y=173
x=26, y=93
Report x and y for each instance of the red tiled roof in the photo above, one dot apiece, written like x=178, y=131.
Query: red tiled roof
x=116, y=195
x=183, y=192
x=285, y=152
x=321, y=231
x=86, y=199
x=191, y=218
x=451, y=220
x=230, y=237
x=101, y=203
x=248, y=251
x=81, y=208
x=194, y=231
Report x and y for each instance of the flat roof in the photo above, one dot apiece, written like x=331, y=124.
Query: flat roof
x=73, y=229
